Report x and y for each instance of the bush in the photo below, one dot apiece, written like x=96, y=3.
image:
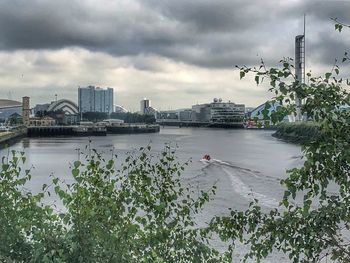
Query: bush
x=303, y=132
x=136, y=212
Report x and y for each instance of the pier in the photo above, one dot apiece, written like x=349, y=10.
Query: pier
x=133, y=128
x=96, y=130
x=48, y=131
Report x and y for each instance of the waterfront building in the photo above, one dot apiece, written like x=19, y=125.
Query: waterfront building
x=170, y=116
x=201, y=113
x=219, y=113
x=185, y=115
x=43, y=121
x=95, y=99
x=8, y=108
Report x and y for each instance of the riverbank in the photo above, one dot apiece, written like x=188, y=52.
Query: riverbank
x=299, y=133
x=11, y=137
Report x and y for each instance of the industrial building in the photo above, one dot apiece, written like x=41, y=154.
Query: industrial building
x=95, y=99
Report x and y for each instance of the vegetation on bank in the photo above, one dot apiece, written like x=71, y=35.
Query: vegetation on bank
x=127, y=117
x=301, y=133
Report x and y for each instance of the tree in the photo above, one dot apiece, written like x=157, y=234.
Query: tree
x=138, y=211
x=95, y=116
x=130, y=117
x=319, y=226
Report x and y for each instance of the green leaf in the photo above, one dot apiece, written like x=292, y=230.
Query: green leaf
x=241, y=74
x=257, y=80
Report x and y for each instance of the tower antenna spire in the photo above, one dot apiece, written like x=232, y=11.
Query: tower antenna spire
x=304, y=46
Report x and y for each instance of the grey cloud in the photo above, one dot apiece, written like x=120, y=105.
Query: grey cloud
x=211, y=34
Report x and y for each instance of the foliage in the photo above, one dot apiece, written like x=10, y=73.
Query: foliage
x=302, y=132
x=138, y=211
x=130, y=117
x=319, y=225
x=127, y=117
x=94, y=116
x=14, y=119
x=25, y=225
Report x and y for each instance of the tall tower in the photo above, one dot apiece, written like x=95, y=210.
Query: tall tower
x=299, y=69
x=25, y=110
x=144, y=104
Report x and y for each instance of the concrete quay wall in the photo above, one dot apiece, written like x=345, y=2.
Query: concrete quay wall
x=7, y=138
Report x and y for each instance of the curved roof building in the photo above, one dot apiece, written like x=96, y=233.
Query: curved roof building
x=9, y=107
x=9, y=103
x=67, y=106
x=118, y=108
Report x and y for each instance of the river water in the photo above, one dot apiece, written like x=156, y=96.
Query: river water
x=247, y=163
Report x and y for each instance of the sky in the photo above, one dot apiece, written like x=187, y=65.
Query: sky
x=175, y=52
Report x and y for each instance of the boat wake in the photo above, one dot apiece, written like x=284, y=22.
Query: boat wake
x=246, y=182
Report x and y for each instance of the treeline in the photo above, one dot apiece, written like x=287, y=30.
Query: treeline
x=303, y=132
x=127, y=117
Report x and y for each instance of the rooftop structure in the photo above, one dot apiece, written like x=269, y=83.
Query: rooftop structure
x=67, y=106
x=4, y=103
x=120, y=109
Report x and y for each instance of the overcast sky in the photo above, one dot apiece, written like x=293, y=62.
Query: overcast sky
x=175, y=52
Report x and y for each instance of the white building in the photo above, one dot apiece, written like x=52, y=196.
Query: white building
x=218, y=112
x=95, y=99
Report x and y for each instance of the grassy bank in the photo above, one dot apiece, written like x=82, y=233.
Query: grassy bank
x=298, y=132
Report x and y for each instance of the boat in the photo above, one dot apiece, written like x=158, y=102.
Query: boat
x=206, y=158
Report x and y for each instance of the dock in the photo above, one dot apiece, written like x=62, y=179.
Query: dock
x=133, y=128
x=49, y=131
x=95, y=130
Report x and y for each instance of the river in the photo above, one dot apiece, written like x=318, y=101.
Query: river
x=247, y=163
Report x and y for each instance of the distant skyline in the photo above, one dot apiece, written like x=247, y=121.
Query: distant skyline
x=174, y=52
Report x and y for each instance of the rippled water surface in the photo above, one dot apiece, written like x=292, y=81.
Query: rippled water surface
x=246, y=164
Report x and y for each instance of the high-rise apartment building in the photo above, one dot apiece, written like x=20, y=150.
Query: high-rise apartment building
x=95, y=99
x=144, y=105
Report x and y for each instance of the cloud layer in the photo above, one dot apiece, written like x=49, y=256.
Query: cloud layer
x=156, y=48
